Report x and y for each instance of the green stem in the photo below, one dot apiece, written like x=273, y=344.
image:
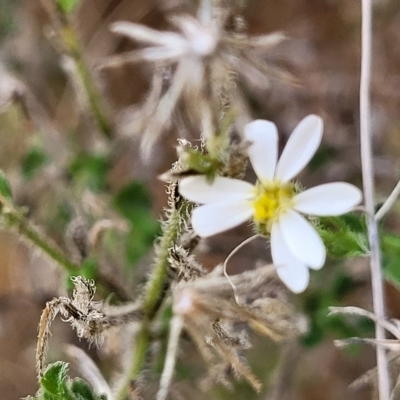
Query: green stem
x=153, y=294
x=29, y=232
x=71, y=41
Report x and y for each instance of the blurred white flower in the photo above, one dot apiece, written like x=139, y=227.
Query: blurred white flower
x=195, y=39
x=196, y=69
x=274, y=202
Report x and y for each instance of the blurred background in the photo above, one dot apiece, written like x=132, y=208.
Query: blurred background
x=64, y=169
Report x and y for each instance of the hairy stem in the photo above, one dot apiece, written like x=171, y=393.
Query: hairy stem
x=71, y=46
x=154, y=292
x=368, y=183
x=32, y=234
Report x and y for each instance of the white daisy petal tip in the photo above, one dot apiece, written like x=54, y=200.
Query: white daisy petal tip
x=263, y=149
x=295, y=283
x=292, y=272
x=300, y=148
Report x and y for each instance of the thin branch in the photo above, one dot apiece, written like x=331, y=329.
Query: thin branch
x=176, y=325
x=388, y=204
x=368, y=183
x=32, y=234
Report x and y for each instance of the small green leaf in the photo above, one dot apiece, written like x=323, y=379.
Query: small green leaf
x=343, y=236
x=82, y=390
x=67, y=6
x=54, y=378
x=195, y=162
x=5, y=188
x=32, y=162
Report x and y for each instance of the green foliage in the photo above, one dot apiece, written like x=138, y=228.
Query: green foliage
x=32, y=162
x=56, y=385
x=344, y=236
x=133, y=202
x=197, y=163
x=90, y=170
x=317, y=306
x=67, y=6
x=5, y=188
x=7, y=21
x=391, y=258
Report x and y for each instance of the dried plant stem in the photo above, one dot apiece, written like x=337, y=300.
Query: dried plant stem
x=29, y=232
x=170, y=359
x=368, y=183
x=71, y=46
x=153, y=295
x=387, y=205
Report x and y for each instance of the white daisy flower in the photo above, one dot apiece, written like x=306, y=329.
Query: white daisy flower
x=274, y=202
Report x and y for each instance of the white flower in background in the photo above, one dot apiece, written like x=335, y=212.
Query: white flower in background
x=274, y=202
x=195, y=39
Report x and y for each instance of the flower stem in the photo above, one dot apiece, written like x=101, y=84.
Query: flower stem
x=71, y=46
x=368, y=183
x=154, y=292
x=29, y=232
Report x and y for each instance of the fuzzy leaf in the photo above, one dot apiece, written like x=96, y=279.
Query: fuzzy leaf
x=54, y=380
x=82, y=390
x=344, y=236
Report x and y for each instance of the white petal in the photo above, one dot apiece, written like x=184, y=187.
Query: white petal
x=302, y=239
x=214, y=218
x=142, y=33
x=198, y=190
x=293, y=273
x=330, y=199
x=153, y=54
x=263, y=151
x=301, y=146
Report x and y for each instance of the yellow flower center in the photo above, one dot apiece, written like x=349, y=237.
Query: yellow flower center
x=272, y=199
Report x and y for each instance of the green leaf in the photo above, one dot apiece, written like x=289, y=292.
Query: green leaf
x=344, y=236
x=54, y=378
x=5, y=188
x=32, y=162
x=195, y=162
x=90, y=170
x=67, y=6
x=82, y=390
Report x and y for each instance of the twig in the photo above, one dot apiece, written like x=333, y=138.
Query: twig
x=70, y=45
x=368, y=183
x=176, y=325
x=29, y=232
x=387, y=205
x=154, y=292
